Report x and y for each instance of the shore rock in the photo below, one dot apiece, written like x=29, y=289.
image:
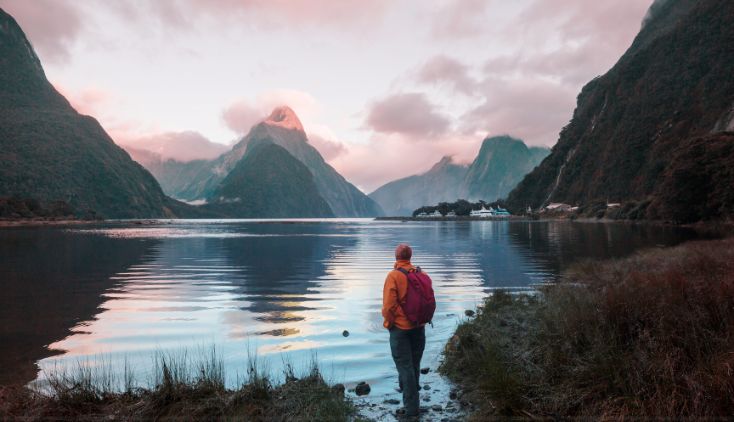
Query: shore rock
x=469, y=313
x=425, y=370
x=362, y=389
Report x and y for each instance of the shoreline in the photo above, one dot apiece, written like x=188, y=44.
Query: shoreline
x=644, y=336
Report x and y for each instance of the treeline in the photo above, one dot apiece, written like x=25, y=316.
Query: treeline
x=461, y=207
x=15, y=207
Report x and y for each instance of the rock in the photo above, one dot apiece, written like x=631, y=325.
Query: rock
x=392, y=401
x=426, y=387
x=362, y=389
x=453, y=395
x=425, y=370
x=437, y=408
x=426, y=399
x=345, y=333
x=469, y=313
x=338, y=389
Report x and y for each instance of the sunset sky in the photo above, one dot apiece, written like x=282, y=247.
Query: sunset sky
x=384, y=88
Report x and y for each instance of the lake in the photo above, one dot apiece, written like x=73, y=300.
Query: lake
x=120, y=292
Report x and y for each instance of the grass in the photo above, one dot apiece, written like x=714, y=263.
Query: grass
x=183, y=386
x=647, y=336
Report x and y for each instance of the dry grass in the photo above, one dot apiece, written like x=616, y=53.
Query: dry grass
x=184, y=387
x=647, y=336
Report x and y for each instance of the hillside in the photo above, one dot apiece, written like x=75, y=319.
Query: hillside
x=501, y=163
x=440, y=183
x=269, y=182
x=283, y=128
x=49, y=152
x=632, y=127
x=172, y=175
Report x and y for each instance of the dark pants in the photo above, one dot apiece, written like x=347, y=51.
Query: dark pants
x=407, y=350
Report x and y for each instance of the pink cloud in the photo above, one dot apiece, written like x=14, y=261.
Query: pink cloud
x=461, y=19
x=180, y=146
x=329, y=148
x=51, y=25
x=409, y=114
x=532, y=109
x=399, y=157
x=240, y=116
x=264, y=14
x=444, y=69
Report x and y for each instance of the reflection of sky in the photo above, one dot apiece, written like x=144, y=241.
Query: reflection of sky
x=294, y=288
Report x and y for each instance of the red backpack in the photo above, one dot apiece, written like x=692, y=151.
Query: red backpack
x=420, y=303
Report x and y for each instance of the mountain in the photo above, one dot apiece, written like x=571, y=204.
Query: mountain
x=269, y=182
x=171, y=174
x=440, y=183
x=667, y=100
x=501, y=163
x=49, y=152
x=284, y=128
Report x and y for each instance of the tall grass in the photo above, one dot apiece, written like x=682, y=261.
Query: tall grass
x=182, y=385
x=647, y=336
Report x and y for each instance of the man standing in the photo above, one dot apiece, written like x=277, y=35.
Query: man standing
x=407, y=338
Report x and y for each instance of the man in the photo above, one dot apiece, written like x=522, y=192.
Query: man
x=407, y=340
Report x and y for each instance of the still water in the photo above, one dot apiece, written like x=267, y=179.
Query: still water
x=120, y=292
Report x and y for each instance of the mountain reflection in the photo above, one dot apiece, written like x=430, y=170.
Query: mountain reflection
x=51, y=281
x=126, y=291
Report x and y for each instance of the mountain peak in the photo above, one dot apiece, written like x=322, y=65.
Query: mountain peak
x=285, y=117
x=446, y=160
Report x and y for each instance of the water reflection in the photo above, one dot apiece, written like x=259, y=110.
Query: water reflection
x=129, y=291
x=53, y=281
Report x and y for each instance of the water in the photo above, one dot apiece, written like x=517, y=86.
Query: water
x=120, y=292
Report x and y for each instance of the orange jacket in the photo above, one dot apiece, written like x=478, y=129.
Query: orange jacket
x=393, y=295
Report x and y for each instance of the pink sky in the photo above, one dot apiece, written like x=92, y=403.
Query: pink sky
x=383, y=88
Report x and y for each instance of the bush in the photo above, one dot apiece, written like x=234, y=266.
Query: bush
x=647, y=336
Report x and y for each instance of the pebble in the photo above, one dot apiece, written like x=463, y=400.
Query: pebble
x=437, y=408
x=345, y=333
x=426, y=387
x=425, y=370
x=392, y=401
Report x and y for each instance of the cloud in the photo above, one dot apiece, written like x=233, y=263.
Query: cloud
x=409, y=114
x=443, y=69
x=399, y=157
x=329, y=148
x=242, y=114
x=532, y=109
x=270, y=15
x=51, y=25
x=180, y=146
x=460, y=19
